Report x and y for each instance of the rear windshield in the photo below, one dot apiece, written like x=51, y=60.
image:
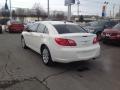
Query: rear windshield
x=63, y=29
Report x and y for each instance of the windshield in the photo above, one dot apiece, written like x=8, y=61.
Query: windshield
x=117, y=26
x=62, y=29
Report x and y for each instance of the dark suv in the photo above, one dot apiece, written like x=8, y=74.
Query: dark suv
x=97, y=27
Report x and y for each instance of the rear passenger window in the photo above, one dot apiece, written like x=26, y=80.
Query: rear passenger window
x=41, y=28
x=33, y=27
x=46, y=30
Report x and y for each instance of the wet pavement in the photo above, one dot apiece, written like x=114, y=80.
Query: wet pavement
x=23, y=69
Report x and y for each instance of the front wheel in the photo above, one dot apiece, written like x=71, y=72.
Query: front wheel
x=0, y=31
x=46, y=57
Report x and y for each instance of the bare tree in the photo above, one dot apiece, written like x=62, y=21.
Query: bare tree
x=14, y=14
x=20, y=12
x=59, y=15
x=39, y=10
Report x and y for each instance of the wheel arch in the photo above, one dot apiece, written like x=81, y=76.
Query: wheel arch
x=42, y=46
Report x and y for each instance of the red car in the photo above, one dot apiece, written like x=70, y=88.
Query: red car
x=16, y=27
x=112, y=35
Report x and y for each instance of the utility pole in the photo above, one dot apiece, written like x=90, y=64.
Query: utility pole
x=110, y=14
x=114, y=11
x=78, y=5
x=119, y=11
x=10, y=10
x=48, y=8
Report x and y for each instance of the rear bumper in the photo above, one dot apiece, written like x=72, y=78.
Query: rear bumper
x=15, y=30
x=111, y=40
x=76, y=54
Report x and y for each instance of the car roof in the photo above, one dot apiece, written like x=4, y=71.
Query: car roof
x=50, y=25
x=55, y=22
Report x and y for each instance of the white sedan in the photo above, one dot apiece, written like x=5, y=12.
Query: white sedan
x=59, y=41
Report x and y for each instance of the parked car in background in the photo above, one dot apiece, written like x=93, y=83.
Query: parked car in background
x=97, y=27
x=112, y=35
x=0, y=28
x=15, y=26
x=59, y=41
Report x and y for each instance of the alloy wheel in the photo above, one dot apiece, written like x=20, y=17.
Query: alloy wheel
x=45, y=56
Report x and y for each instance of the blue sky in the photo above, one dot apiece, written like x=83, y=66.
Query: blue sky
x=86, y=6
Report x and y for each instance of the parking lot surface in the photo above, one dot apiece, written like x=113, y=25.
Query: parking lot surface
x=22, y=69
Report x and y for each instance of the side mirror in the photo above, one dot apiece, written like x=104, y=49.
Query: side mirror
x=27, y=29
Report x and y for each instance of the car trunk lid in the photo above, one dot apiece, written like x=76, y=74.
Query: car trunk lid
x=81, y=39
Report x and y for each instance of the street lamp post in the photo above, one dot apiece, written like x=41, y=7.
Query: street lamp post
x=10, y=10
x=114, y=11
x=78, y=4
x=48, y=9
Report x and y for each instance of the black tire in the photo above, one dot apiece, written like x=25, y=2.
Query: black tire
x=9, y=31
x=0, y=29
x=99, y=36
x=104, y=41
x=46, y=56
x=23, y=43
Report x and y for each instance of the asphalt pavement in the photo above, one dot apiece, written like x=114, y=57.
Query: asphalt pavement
x=23, y=69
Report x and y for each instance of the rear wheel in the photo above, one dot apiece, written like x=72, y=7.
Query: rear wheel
x=9, y=31
x=104, y=41
x=23, y=43
x=46, y=56
x=0, y=31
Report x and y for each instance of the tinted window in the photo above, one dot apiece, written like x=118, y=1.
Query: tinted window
x=97, y=23
x=102, y=23
x=61, y=29
x=93, y=23
x=110, y=24
x=117, y=26
x=41, y=28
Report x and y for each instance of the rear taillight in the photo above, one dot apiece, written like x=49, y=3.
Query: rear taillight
x=65, y=42
x=95, y=40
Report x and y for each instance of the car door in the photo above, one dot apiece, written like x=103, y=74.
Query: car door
x=33, y=30
x=27, y=35
x=37, y=37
